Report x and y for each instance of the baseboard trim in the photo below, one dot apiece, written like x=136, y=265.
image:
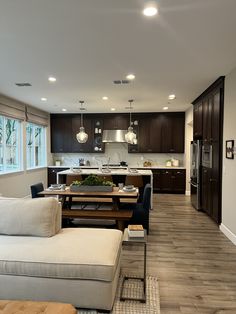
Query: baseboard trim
x=228, y=233
x=187, y=193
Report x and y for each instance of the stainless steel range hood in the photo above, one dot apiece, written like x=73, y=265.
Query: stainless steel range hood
x=114, y=136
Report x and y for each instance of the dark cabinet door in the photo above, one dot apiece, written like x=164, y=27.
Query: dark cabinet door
x=144, y=136
x=166, y=181
x=155, y=133
x=60, y=133
x=179, y=181
x=216, y=117
x=197, y=120
x=206, y=190
x=116, y=121
x=156, y=181
x=207, y=119
x=81, y=147
x=177, y=134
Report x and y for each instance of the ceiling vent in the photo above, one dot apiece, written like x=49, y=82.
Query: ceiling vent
x=23, y=84
x=121, y=82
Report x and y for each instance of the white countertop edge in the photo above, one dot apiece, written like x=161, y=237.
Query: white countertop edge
x=133, y=167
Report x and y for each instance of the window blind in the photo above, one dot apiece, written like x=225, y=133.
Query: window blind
x=18, y=110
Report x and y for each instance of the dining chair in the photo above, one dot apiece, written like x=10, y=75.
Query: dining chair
x=35, y=189
x=140, y=210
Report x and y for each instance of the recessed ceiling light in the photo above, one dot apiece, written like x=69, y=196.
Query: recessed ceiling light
x=165, y=108
x=130, y=77
x=171, y=97
x=52, y=79
x=113, y=109
x=150, y=9
x=44, y=99
x=64, y=109
x=105, y=98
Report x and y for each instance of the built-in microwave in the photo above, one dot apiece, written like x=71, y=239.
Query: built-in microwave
x=207, y=155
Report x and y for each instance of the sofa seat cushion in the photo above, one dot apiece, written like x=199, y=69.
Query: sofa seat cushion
x=30, y=307
x=76, y=253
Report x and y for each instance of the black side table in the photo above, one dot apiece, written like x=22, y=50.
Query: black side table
x=139, y=241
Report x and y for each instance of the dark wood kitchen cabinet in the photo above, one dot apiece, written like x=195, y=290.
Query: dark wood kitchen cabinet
x=52, y=174
x=161, y=132
x=169, y=181
x=173, y=126
x=212, y=100
x=77, y=147
x=197, y=120
x=149, y=137
x=61, y=130
x=116, y=121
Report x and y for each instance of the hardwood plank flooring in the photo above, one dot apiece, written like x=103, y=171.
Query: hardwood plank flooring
x=194, y=262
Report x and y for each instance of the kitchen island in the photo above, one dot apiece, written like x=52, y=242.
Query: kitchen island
x=118, y=175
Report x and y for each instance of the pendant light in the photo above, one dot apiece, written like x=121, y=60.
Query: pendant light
x=130, y=136
x=81, y=137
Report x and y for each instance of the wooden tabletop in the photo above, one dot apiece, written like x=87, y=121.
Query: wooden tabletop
x=115, y=193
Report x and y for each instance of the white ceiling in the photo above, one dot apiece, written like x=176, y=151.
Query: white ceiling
x=86, y=44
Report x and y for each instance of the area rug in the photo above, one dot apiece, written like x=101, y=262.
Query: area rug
x=133, y=288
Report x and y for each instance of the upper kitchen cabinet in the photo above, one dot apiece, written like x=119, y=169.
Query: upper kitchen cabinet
x=172, y=131
x=115, y=121
x=161, y=132
x=149, y=139
x=61, y=129
x=197, y=120
x=77, y=147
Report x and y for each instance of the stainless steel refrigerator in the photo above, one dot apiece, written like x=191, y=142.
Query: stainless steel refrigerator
x=195, y=173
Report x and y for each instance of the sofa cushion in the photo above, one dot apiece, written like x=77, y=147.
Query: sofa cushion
x=74, y=253
x=36, y=217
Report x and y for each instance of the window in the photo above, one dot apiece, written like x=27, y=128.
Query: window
x=35, y=145
x=10, y=145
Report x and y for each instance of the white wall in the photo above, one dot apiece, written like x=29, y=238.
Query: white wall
x=188, y=139
x=18, y=184
x=228, y=225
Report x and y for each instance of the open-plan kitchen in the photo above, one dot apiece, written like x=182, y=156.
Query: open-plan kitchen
x=117, y=157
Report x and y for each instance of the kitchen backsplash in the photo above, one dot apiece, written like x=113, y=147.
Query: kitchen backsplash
x=117, y=152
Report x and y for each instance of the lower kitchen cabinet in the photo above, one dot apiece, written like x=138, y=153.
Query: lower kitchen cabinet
x=169, y=181
x=52, y=174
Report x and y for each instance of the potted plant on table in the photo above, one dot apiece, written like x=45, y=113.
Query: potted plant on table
x=92, y=183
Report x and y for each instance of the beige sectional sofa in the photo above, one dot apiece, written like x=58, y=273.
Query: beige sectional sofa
x=80, y=266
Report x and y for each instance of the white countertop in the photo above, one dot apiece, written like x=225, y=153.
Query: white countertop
x=140, y=172
x=132, y=166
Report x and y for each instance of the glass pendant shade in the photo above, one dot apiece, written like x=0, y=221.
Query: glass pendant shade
x=82, y=137
x=130, y=136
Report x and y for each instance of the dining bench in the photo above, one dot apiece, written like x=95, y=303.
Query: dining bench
x=119, y=215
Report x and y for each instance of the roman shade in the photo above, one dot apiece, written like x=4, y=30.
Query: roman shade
x=18, y=110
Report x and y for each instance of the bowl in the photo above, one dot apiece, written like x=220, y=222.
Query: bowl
x=129, y=187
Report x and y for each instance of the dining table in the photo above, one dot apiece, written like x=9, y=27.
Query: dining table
x=115, y=195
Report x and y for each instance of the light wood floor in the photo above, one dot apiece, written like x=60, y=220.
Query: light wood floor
x=194, y=262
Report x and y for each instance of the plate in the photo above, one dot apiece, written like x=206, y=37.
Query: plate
x=129, y=190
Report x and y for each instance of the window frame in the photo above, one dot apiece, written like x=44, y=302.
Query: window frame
x=19, y=146
x=44, y=138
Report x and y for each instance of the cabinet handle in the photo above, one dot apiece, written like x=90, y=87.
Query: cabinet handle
x=167, y=172
x=213, y=180
x=172, y=150
x=178, y=172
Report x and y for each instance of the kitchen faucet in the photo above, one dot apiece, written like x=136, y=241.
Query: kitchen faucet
x=108, y=163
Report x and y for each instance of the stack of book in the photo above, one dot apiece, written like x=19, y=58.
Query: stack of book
x=135, y=231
